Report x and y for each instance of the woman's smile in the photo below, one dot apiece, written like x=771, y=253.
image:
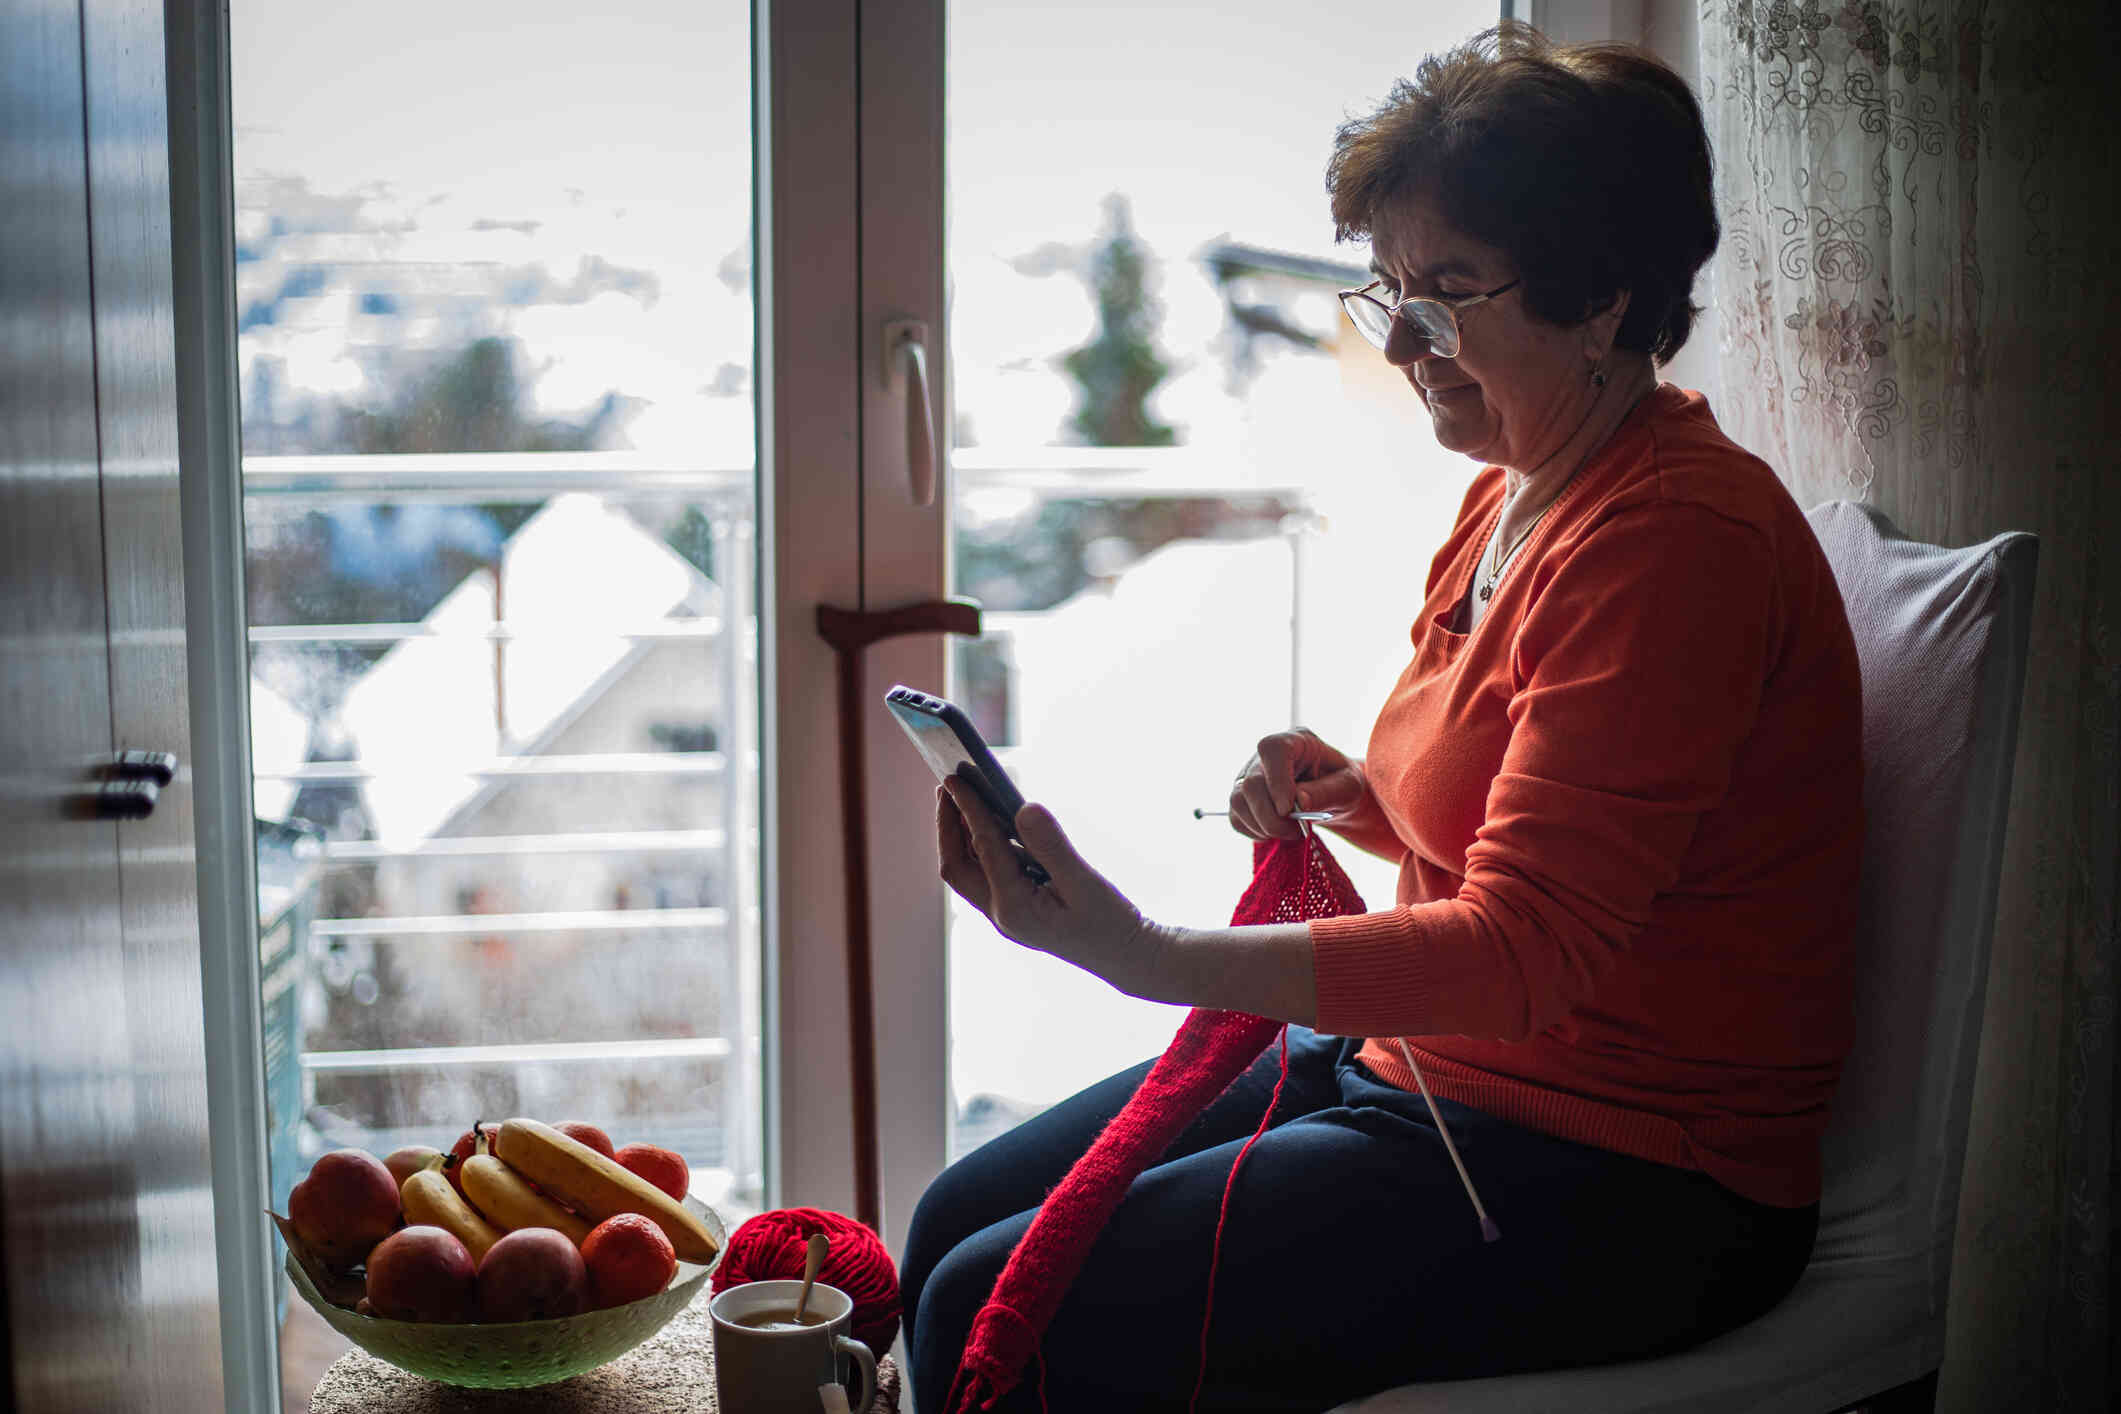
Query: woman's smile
x=1436, y=395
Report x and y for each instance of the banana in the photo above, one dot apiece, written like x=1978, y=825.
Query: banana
x=598, y=1186
x=427, y=1198
x=499, y=1192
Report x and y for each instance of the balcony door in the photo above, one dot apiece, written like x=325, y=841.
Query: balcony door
x=552, y=354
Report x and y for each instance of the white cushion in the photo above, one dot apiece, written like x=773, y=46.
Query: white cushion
x=1941, y=635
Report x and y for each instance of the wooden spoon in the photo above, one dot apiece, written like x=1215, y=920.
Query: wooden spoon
x=813, y=1258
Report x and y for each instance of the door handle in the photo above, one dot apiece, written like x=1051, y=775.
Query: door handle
x=127, y=786
x=127, y=800
x=906, y=361
x=157, y=766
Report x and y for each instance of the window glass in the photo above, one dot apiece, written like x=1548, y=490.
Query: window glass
x=496, y=317
x=1197, y=506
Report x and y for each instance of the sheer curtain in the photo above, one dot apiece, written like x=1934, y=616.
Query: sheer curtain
x=1915, y=305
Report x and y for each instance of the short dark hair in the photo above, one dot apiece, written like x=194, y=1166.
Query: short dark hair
x=1586, y=164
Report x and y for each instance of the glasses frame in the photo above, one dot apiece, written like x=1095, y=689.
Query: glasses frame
x=1401, y=311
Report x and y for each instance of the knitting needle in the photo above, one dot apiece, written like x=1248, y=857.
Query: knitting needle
x=1488, y=1231
x=1202, y=812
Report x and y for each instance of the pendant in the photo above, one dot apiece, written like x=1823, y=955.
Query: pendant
x=1485, y=591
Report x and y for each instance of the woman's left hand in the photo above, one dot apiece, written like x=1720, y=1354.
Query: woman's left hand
x=1077, y=916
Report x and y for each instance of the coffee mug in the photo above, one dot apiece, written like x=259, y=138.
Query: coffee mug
x=778, y=1371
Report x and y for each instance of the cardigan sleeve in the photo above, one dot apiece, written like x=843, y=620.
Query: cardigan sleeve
x=1636, y=675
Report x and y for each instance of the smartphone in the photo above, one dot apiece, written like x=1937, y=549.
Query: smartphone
x=952, y=746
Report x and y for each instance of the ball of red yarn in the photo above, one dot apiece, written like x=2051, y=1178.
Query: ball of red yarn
x=771, y=1246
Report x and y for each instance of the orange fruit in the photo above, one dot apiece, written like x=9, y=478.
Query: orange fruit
x=628, y=1257
x=665, y=1168
x=582, y=1132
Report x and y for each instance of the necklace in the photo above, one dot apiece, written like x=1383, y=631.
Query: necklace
x=1494, y=576
x=1502, y=561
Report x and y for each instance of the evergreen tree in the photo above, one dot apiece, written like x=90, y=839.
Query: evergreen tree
x=473, y=402
x=1119, y=368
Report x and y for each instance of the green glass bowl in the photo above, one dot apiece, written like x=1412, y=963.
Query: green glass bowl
x=517, y=1354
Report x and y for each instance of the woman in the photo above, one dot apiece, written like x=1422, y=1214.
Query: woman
x=1621, y=779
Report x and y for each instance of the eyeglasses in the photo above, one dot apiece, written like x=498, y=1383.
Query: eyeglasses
x=1431, y=317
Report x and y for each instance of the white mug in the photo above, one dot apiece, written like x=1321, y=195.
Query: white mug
x=779, y=1372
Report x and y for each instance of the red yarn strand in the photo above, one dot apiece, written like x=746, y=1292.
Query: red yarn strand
x=1222, y=1217
x=1211, y=1050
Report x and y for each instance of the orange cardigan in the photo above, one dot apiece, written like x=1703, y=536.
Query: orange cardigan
x=1627, y=813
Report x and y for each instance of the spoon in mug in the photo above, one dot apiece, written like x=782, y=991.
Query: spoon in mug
x=813, y=1258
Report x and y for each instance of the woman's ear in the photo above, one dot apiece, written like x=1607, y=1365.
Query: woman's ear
x=1602, y=328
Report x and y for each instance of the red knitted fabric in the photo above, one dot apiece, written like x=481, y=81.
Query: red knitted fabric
x=1292, y=880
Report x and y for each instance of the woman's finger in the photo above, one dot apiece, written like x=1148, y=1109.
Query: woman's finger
x=1280, y=758
x=1240, y=809
x=1248, y=797
x=1338, y=791
x=1269, y=821
x=953, y=849
x=1045, y=841
x=997, y=862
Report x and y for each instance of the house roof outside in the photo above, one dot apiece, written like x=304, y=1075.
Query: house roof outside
x=575, y=578
x=1227, y=258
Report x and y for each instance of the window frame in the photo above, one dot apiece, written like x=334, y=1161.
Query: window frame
x=848, y=154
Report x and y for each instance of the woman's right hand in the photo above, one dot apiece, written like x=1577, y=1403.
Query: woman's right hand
x=1292, y=771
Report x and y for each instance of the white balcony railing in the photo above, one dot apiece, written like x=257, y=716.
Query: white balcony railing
x=724, y=496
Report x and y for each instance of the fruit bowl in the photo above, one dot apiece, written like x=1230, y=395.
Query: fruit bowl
x=516, y=1354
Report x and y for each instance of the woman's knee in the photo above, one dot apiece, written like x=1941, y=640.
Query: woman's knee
x=950, y=1296
x=959, y=1202
x=948, y=1213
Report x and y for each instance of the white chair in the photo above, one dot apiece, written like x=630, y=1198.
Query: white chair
x=1942, y=639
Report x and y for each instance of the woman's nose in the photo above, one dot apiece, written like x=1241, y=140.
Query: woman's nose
x=1404, y=346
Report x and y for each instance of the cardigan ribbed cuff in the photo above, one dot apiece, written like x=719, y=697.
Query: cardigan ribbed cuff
x=1370, y=974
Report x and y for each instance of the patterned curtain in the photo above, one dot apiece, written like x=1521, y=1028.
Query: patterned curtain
x=1916, y=307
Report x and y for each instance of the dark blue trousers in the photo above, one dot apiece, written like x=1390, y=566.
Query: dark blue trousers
x=1352, y=1261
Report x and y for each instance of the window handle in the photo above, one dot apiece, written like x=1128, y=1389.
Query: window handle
x=906, y=361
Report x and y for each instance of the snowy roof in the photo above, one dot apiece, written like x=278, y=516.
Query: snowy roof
x=575, y=578
x=1226, y=257
x=279, y=743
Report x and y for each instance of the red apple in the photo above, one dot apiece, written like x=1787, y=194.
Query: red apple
x=423, y=1274
x=404, y=1163
x=589, y=1134
x=347, y=1204
x=463, y=1149
x=532, y=1274
x=664, y=1168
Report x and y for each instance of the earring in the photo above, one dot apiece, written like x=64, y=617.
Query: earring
x=1598, y=377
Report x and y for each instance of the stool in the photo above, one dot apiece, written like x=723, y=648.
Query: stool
x=672, y=1372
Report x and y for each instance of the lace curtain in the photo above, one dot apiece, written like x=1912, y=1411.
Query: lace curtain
x=1916, y=309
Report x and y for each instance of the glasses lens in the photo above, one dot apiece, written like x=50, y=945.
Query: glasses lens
x=1369, y=317
x=1433, y=320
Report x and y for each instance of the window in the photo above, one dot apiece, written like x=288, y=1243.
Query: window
x=495, y=311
